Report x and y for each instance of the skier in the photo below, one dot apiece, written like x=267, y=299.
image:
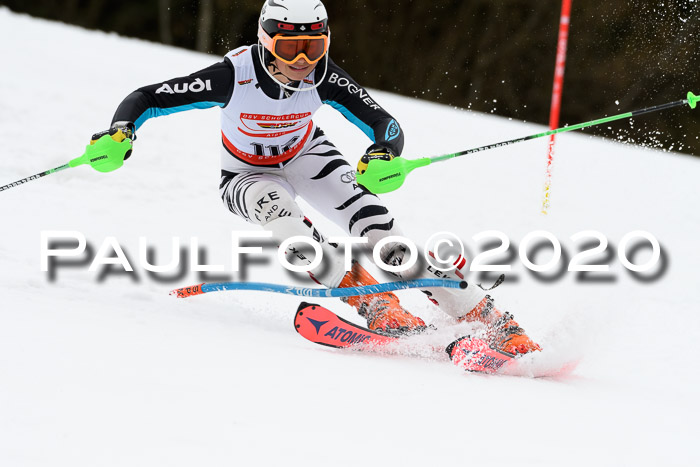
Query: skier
x=272, y=151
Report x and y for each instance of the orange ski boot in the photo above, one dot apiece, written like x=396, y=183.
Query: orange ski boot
x=383, y=311
x=503, y=331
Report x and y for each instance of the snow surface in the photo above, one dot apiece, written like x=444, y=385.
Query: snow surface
x=115, y=372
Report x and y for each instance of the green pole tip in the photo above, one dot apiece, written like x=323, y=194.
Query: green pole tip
x=692, y=100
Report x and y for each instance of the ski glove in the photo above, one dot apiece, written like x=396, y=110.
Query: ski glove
x=119, y=132
x=374, y=152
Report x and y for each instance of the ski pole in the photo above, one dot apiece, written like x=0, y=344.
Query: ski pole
x=34, y=177
x=386, y=176
x=105, y=155
x=314, y=291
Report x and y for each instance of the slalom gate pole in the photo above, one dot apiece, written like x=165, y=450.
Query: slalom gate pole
x=386, y=176
x=557, y=90
x=316, y=292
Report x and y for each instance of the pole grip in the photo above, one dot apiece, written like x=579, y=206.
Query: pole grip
x=105, y=154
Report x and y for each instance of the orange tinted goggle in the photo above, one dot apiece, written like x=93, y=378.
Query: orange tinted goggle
x=290, y=48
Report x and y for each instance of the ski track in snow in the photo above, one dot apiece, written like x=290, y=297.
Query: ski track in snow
x=117, y=372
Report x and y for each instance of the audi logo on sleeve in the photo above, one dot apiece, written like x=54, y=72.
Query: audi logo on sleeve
x=180, y=88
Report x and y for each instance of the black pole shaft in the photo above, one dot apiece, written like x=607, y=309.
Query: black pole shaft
x=33, y=177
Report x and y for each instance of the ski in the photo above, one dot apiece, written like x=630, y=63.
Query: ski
x=322, y=326
x=473, y=354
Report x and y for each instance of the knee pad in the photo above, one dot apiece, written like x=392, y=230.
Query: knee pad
x=264, y=201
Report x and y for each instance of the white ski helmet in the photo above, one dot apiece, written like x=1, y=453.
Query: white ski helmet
x=302, y=14
x=287, y=18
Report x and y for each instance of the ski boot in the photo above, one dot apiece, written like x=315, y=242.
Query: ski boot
x=502, y=331
x=382, y=311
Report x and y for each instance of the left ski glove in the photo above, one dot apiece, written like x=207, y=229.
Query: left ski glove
x=374, y=152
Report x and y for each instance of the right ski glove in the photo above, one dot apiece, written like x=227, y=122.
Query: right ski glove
x=374, y=152
x=119, y=132
x=108, y=149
